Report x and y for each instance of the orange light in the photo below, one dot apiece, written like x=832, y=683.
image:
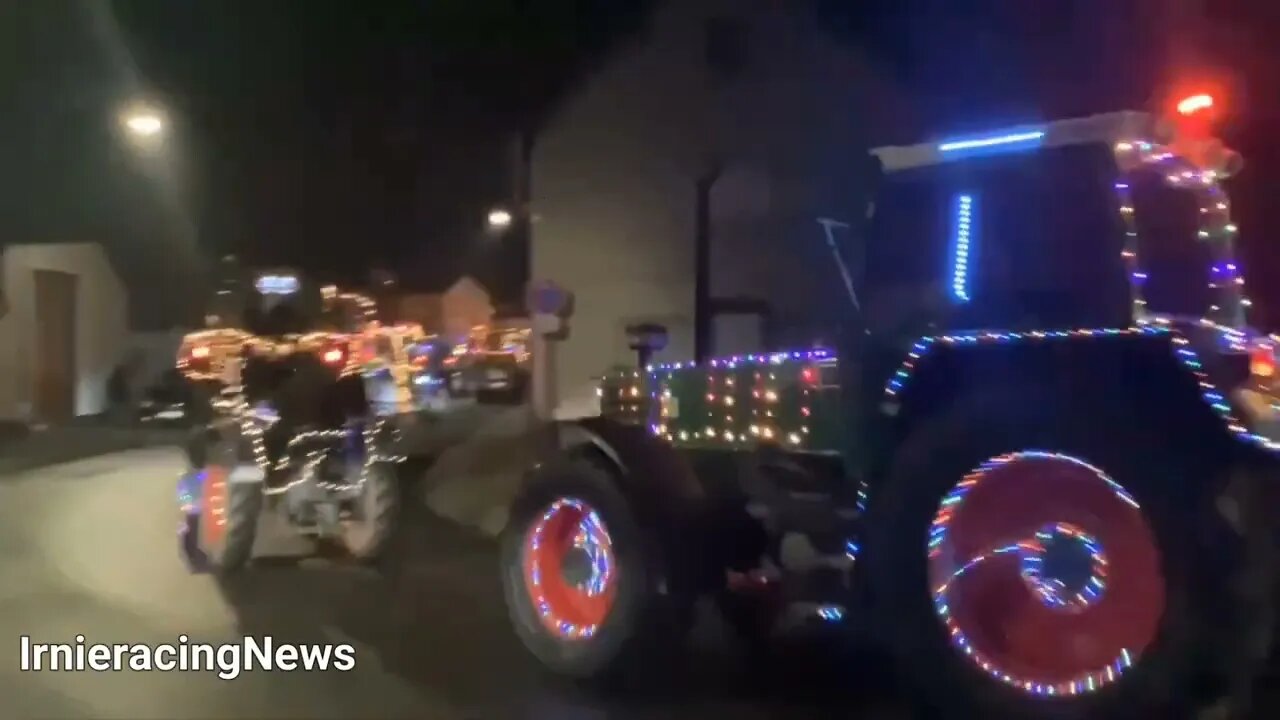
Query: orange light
x=1194, y=104
x=334, y=356
x=1262, y=362
x=200, y=352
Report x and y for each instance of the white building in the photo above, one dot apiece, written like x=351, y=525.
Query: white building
x=63, y=329
x=451, y=313
x=746, y=96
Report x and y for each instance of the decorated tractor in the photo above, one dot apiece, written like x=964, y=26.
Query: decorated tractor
x=1032, y=468
x=292, y=426
x=500, y=367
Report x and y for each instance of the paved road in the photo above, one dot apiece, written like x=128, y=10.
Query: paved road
x=88, y=548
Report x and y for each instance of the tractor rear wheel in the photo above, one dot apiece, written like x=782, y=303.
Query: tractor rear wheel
x=1046, y=565
x=228, y=521
x=366, y=535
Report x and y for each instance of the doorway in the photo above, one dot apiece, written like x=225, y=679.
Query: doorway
x=55, y=348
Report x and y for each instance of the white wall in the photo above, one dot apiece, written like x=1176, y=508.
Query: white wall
x=614, y=176
x=463, y=306
x=101, y=324
x=156, y=351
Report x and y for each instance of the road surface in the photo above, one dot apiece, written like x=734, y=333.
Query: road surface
x=89, y=549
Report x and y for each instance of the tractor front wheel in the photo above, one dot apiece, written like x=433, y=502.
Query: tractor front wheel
x=587, y=583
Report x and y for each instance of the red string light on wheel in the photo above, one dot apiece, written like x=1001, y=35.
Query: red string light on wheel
x=213, y=505
x=570, y=570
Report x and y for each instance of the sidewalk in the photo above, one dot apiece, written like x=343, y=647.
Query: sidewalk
x=22, y=451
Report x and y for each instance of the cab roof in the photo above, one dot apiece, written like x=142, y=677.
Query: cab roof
x=1107, y=128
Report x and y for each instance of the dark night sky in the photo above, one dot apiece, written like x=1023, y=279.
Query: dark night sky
x=338, y=134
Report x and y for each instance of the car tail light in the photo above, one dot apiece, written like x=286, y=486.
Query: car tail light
x=1262, y=362
x=195, y=357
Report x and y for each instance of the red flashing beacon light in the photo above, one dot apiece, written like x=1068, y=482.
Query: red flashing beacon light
x=1194, y=116
x=1192, y=122
x=1194, y=104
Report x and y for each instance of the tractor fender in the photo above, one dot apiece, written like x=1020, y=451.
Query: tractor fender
x=1138, y=369
x=664, y=490
x=642, y=462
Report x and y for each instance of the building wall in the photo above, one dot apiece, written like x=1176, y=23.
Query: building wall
x=426, y=309
x=101, y=324
x=463, y=306
x=613, y=186
x=155, y=352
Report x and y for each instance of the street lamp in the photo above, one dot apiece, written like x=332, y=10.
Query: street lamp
x=143, y=122
x=499, y=219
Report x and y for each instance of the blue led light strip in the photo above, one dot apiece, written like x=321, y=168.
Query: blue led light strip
x=1030, y=137
x=1183, y=351
x=960, y=253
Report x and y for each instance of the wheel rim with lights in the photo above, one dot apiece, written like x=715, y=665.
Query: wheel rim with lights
x=570, y=570
x=213, y=506
x=1045, y=574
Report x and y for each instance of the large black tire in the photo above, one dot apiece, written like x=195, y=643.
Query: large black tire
x=234, y=549
x=230, y=550
x=367, y=538
x=649, y=619
x=1174, y=490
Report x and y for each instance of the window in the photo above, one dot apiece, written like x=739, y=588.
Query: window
x=725, y=45
x=1176, y=262
x=1048, y=235
x=1042, y=247
x=907, y=264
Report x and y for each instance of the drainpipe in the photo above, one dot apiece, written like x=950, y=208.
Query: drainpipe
x=702, y=310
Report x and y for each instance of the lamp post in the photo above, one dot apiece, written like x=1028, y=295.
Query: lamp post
x=143, y=123
x=500, y=219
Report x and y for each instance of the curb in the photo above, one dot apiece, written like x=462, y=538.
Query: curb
x=13, y=462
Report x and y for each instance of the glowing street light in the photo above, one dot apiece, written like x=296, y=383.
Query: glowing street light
x=143, y=122
x=499, y=219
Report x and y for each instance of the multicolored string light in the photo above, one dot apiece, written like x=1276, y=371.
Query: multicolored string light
x=1184, y=351
x=1052, y=591
x=725, y=397
x=1225, y=280
x=591, y=537
x=1029, y=553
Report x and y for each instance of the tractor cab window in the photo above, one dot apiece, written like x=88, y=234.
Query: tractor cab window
x=1044, y=240
x=1017, y=240
x=1175, y=261
x=902, y=274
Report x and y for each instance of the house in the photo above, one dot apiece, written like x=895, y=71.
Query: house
x=451, y=313
x=64, y=331
x=731, y=125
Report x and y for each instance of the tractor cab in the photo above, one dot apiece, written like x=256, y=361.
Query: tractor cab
x=281, y=303
x=1105, y=221
x=1116, y=223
